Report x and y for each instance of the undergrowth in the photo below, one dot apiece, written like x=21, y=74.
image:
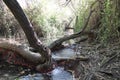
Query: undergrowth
x=109, y=22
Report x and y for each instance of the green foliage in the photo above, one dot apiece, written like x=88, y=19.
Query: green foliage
x=52, y=27
x=109, y=19
x=6, y=21
x=79, y=22
x=82, y=13
x=109, y=22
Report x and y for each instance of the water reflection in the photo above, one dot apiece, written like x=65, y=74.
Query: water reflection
x=57, y=74
x=60, y=74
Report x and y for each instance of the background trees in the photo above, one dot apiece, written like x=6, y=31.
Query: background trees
x=51, y=22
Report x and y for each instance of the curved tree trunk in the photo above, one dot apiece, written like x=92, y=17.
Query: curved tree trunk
x=28, y=29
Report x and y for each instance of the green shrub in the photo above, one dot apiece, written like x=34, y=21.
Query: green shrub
x=109, y=22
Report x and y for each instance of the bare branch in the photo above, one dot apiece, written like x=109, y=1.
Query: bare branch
x=82, y=32
x=67, y=2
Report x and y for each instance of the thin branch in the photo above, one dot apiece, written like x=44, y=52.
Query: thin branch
x=86, y=23
x=67, y=2
x=109, y=60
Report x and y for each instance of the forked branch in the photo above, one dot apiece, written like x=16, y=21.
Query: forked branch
x=82, y=32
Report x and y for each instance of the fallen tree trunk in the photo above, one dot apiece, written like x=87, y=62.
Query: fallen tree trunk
x=22, y=50
x=34, y=58
x=59, y=42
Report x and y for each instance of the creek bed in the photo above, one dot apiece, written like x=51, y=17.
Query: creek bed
x=57, y=74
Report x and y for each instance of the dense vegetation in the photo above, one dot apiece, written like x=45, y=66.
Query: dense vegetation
x=104, y=21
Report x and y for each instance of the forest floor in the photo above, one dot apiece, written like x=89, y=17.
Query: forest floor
x=103, y=64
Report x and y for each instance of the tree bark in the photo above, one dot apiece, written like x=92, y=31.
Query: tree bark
x=33, y=40
x=20, y=49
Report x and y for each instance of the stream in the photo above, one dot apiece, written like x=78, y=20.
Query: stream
x=59, y=73
x=16, y=72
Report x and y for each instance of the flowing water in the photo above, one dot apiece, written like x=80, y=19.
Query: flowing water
x=57, y=74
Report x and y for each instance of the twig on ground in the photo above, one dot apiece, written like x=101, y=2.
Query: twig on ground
x=108, y=61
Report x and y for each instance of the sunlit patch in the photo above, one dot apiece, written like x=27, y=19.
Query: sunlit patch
x=50, y=8
x=60, y=74
x=58, y=70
